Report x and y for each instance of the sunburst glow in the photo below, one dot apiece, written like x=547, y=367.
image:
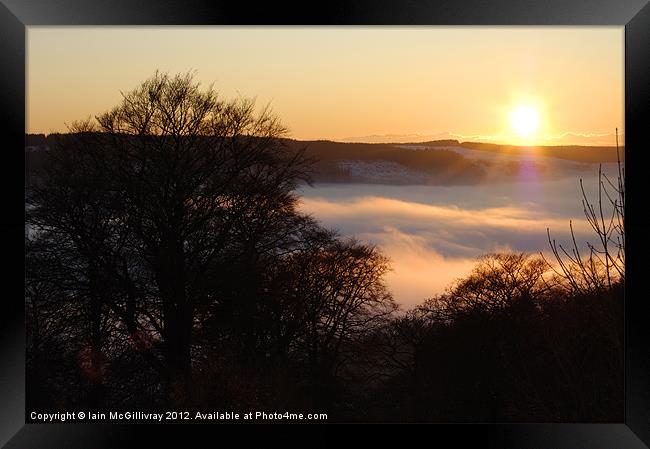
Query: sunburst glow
x=525, y=121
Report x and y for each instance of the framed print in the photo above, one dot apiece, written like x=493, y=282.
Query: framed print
x=358, y=214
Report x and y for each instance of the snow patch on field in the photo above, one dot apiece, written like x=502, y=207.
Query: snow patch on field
x=381, y=171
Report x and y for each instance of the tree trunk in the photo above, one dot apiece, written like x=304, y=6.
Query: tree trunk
x=93, y=359
x=177, y=327
x=96, y=361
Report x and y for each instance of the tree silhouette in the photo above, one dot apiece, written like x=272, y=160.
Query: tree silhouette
x=497, y=283
x=170, y=228
x=604, y=265
x=163, y=179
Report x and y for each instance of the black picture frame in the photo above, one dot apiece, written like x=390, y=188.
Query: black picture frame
x=16, y=15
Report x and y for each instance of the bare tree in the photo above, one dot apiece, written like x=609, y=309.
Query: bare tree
x=604, y=264
x=343, y=298
x=497, y=283
x=158, y=189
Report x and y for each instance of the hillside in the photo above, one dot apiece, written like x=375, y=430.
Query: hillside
x=442, y=162
x=445, y=162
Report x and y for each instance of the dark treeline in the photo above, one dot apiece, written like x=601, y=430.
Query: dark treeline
x=439, y=165
x=168, y=266
x=504, y=345
x=442, y=167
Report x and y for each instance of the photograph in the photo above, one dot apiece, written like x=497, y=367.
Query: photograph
x=400, y=224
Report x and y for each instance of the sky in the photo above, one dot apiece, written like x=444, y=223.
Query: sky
x=519, y=85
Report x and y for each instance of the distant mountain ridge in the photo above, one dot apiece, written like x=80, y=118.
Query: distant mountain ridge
x=564, y=139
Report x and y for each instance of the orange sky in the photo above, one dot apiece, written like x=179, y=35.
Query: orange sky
x=343, y=82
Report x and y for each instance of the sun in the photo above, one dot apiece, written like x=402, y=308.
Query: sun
x=525, y=121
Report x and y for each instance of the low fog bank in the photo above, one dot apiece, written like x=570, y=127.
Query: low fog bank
x=433, y=234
